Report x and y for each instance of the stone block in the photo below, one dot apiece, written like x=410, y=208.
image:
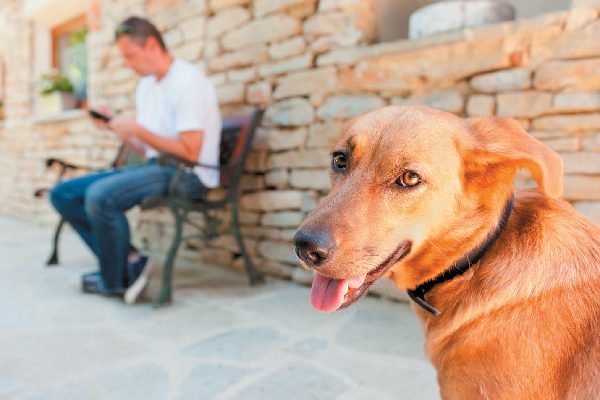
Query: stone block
x=287, y=48
x=306, y=82
x=574, y=42
x=591, y=142
x=278, y=251
x=582, y=187
x=173, y=37
x=242, y=75
x=450, y=100
x=324, y=44
x=567, y=143
x=286, y=66
x=580, y=17
x=231, y=93
x=259, y=93
x=302, y=10
x=481, y=105
x=240, y=58
x=283, y=219
x=273, y=268
x=317, y=179
x=193, y=28
x=264, y=7
x=324, y=134
x=527, y=104
x=262, y=232
x=348, y=106
x=327, y=24
x=572, y=75
x=301, y=159
x=399, y=72
x=278, y=178
x=269, y=29
x=273, y=200
x=191, y=51
x=226, y=20
x=249, y=218
x=291, y=112
x=581, y=163
x=568, y=123
x=257, y=161
x=501, y=81
x=217, y=5
x=302, y=276
x=576, y=102
x=279, y=139
x=591, y=209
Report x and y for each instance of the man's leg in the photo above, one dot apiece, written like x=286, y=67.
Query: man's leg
x=106, y=201
x=68, y=198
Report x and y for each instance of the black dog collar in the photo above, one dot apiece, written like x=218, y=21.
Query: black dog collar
x=462, y=265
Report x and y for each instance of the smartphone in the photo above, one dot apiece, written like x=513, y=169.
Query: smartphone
x=98, y=115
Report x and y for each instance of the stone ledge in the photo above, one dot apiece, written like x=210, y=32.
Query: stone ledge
x=59, y=117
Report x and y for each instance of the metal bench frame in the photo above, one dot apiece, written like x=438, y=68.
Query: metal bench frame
x=236, y=140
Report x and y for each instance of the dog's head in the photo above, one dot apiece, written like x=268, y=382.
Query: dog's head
x=413, y=189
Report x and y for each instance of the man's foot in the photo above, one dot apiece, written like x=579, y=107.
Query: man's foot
x=92, y=282
x=138, y=275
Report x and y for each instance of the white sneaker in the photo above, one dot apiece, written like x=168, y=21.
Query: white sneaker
x=134, y=291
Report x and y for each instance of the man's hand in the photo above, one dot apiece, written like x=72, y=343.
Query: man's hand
x=123, y=127
x=100, y=124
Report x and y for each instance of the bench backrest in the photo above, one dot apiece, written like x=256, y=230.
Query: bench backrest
x=236, y=139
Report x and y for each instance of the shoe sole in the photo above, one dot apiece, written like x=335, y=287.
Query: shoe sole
x=134, y=291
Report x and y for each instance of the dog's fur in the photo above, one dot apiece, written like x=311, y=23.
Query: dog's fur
x=524, y=322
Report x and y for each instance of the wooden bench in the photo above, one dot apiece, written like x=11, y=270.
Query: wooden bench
x=236, y=140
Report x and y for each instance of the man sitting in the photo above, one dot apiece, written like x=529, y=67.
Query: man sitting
x=178, y=113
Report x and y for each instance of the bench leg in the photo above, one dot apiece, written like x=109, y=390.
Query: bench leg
x=53, y=259
x=254, y=276
x=164, y=296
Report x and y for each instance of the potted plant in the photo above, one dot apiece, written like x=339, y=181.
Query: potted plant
x=57, y=93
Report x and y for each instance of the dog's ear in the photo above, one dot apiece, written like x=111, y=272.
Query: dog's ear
x=502, y=142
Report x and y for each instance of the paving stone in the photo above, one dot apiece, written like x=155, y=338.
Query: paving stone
x=373, y=324
x=295, y=381
x=241, y=344
x=219, y=339
x=207, y=381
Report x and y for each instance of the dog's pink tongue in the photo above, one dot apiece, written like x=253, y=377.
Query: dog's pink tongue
x=327, y=294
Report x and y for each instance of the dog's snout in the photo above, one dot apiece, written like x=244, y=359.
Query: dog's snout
x=313, y=247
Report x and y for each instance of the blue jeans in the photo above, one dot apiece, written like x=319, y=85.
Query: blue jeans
x=94, y=205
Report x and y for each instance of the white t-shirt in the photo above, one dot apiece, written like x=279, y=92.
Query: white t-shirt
x=183, y=100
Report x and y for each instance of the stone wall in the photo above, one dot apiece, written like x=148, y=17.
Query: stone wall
x=313, y=65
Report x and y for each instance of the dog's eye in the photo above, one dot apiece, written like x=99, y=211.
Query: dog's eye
x=339, y=161
x=408, y=179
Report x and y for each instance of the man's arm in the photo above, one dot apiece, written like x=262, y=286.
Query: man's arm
x=187, y=145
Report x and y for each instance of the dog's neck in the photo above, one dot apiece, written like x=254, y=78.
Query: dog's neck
x=461, y=265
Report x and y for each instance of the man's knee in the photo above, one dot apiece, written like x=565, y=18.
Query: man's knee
x=59, y=198
x=96, y=200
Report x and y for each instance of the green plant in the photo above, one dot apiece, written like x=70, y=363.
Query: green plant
x=55, y=82
x=78, y=37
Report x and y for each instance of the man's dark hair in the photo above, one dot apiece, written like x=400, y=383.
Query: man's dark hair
x=139, y=30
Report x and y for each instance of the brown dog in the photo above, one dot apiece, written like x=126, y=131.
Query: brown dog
x=508, y=281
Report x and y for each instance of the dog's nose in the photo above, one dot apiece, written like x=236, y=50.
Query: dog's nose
x=313, y=247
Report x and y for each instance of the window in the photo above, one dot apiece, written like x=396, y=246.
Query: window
x=69, y=54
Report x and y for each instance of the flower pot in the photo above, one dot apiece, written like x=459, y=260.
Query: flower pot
x=56, y=102
x=450, y=15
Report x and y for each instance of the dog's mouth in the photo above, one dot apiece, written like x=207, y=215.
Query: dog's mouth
x=330, y=294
